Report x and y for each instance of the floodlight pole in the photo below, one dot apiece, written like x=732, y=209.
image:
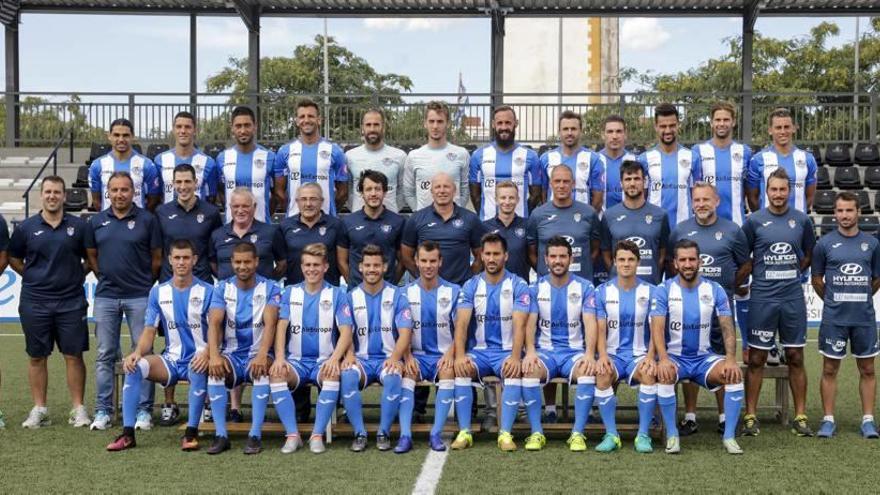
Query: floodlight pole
x=326, y=84
x=13, y=111
x=249, y=11
x=856, y=125
x=748, y=35
x=193, y=71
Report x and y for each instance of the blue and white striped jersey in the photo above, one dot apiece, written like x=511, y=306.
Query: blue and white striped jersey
x=613, y=188
x=726, y=169
x=433, y=315
x=251, y=170
x=489, y=166
x=244, y=313
x=378, y=319
x=207, y=174
x=587, y=167
x=183, y=315
x=143, y=173
x=801, y=168
x=689, y=314
x=322, y=162
x=560, y=312
x=314, y=320
x=670, y=177
x=627, y=324
x=493, y=306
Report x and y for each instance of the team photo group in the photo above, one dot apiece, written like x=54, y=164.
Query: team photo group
x=302, y=268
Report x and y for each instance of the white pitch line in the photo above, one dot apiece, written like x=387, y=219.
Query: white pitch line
x=432, y=468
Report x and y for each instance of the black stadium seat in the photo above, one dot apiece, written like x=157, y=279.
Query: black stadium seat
x=827, y=225
x=823, y=202
x=349, y=147
x=471, y=148
x=823, y=179
x=214, y=149
x=864, y=202
x=838, y=155
x=869, y=223
x=77, y=199
x=86, y=215
x=156, y=148
x=867, y=154
x=544, y=148
x=814, y=150
x=137, y=147
x=872, y=176
x=637, y=150
x=82, y=177
x=97, y=150
x=847, y=178
x=756, y=148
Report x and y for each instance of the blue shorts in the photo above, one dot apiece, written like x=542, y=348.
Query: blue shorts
x=862, y=340
x=742, y=320
x=372, y=371
x=559, y=362
x=177, y=370
x=488, y=361
x=696, y=368
x=239, y=364
x=56, y=322
x=306, y=371
x=427, y=366
x=787, y=318
x=625, y=365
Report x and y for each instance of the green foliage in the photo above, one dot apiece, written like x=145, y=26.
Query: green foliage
x=43, y=122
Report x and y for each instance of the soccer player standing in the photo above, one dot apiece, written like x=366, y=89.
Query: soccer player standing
x=311, y=225
x=781, y=240
x=123, y=158
x=310, y=158
x=504, y=159
x=683, y=309
x=124, y=249
x=586, y=166
x=180, y=307
x=512, y=227
x=375, y=154
x=846, y=274
x=48, y=250
x=246, y=164
x=436, y=156
x=614, y=153
x=670, y=168
x=206, y=173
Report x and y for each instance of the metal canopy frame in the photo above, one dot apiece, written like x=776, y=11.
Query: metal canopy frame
x=251, y=11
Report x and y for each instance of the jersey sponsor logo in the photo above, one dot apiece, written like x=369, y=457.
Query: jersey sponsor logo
x=570, y=240
x=301, y=329
x=638, y=241
x=70, y=231
x=425, y=185
x=780, y=248
x=131, y=225
x=294, y=176
x=851, y=269
x=173, y=325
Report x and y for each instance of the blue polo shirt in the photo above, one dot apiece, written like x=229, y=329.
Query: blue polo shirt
x=358, y=230
x=456, y=237
x=577, y=223
x=265, y=236
x=517, y=245
x=125, y=248
x=297, y=235
x=196, y=225
x=52, y=256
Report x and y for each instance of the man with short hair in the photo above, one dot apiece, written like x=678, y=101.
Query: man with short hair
x=436, y=156
x=490, y=324
x=682, y=311
x=246, y=164
x=310, y=158
x=242, y=317
x=846, y=274
x=122, y=157
x=124, y=248
x=614, y=153
x=782, y=153
x=375, y=154
x=311, y=225
x=180, y=307
x=637, y=220
x=781, y=240
x=504, y=159
x=670, y=168
x=373, y=224
x=382, y=329
x=48, y=250
x=586, y=165
x=185, y=152
x=512, y=227
x=314, y=334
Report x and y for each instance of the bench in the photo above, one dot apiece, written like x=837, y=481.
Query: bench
x=780, y=406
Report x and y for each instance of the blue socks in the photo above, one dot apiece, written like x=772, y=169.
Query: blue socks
x=284, y=406
x=733, y=401
x=259, y=400
x=607, y=408
x=667, y=400
x=217, y=396
x=511, y=396
x=531, y=396
x=198, y=390
x=326, y=404
x=464, y=401
x=351, y=399
x=647, y=402
x=442, y=404
x=131, y=392
x=583, y=401
x=390, y=403
x=407, y=398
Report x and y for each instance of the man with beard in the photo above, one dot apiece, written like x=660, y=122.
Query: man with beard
x=122, y=157
x=670, y=168
x=376, y=155
x=614, y=153
x=504, y=159
x=185, y=152
x=310, y=158
x=586, y=165
x=246, y=164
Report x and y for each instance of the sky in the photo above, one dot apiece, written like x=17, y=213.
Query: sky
x=80, y=53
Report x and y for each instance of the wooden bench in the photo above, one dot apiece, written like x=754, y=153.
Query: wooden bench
x=780, y=407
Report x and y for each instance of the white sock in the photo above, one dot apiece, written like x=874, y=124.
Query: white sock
x=690, y=417
x=828, y=418
x=721, y=418
x=550, y=408
x=42, y=409
x=868, y=418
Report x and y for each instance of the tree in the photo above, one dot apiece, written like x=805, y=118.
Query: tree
x=43, y=121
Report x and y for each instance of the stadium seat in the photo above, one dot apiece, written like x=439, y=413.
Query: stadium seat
x=838, y=155
x=278, y=217
x=156, y=148
x=637, y=150
x=864, y=202
x=77, y=199
x=137, y=147
x=823, y=202
x=827, y=225
x=756, y=148
x=470, y=148
x=405, y=210
x=872, y=177
x=869, y=223
x=82, y=177
x=847, y=178
x=214, y=149
x=867, y=154
x=544, y=148
x=97, y=150
x=823, y=178
x=814, y=150
x=86, y=215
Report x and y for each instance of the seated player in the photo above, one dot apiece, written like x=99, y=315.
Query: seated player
x=382, y=324
x=433, y=302
x=180, y=306
x=315, y=323
x=622, y=346
x=555, y=340
x=683, y=308
x=490, y=322
x=246, y=306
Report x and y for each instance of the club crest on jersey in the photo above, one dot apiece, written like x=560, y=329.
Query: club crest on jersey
x=459, y=223
x=70, y=231
x=684, y=163
x=864, y=245
x=326, y=304
x=322, y=231
x=136, y=172
x=574, y=297
x=195, y=301
x=200, y=217
x=450, y=156
x=792, y=223
x=259, y=162
x=736, y=155
x=582, y=165
x=800, y=163
x=387, y=161
x=506, y=293
x=259, y=299
x=443, y=301
x=386, y=229
x=718, y=236
x=642, y=300
x=519, y=232
x=577, y=217
x=131, y=225
x=386, y=305
x=706, y=299
x=253, y=238
x=649, y=219
x=324, y=154
x=519, y=161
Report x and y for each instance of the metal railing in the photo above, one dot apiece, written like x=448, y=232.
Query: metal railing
x=53, y=159
x=37, y=118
